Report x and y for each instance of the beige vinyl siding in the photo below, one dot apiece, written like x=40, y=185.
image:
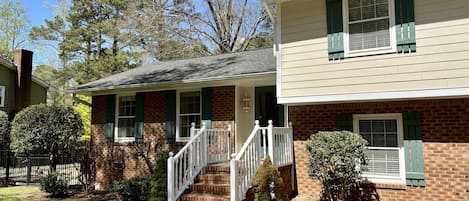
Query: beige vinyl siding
x=441, y=60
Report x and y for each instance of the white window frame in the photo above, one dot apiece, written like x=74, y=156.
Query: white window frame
x=2, y=94
x=116, y=127
x=371, y=51
x=400, y=145
x=178, y=112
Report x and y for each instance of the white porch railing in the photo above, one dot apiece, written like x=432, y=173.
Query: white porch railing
x=201, y=149
x=245, y=163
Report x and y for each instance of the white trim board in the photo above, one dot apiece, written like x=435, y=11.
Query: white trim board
x=377, y=96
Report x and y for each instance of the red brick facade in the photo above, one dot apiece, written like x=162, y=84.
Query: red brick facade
x=116, y=161
x=445, y=127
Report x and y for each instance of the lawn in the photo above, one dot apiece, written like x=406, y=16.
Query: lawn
x=17, y=193
x=29, y=193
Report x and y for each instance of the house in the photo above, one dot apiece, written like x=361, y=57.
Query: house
x=395, y=71
x=18, y=87
x=202, y=108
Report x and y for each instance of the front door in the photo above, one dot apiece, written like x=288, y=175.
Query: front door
x=266, y=107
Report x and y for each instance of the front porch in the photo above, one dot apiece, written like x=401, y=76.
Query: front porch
x=206, y=169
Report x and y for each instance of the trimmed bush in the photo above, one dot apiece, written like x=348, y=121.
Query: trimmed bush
x=158, y=183
x=267, y=183
x=54, y=184
x=333, y=160
x=4, y=128
x=134, y=189
x=46, y=129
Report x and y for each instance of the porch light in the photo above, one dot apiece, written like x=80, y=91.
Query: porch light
x=246, y=104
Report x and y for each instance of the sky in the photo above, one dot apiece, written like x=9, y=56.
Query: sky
x=38, y=11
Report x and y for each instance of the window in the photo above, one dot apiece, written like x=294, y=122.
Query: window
x=369, y=27
x=126, y=108
x=189, y=112
x=2, y=96
x=384, y=134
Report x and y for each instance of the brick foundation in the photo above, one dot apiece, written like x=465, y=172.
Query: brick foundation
x=116, y=161
x=445, y=127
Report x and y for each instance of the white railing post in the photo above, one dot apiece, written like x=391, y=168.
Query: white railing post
x=206, y=149
x=270, y=141
x=229, y=141
x=233, y=179
x=192, y=133
x=171, y=177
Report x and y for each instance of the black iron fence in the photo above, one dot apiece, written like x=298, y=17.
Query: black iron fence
x=28, y=169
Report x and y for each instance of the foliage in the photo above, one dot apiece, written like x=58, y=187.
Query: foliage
x=134, y=189
x=158, y=181
x=333, y=159
x=13, y=25
x=55, y=78
x=267, y=181
x=83, y=107
x=53, y=130
x=54, y=184
x=4, y=128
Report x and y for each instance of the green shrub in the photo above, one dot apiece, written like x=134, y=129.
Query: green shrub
x=267, y=182
x=158, y=183
x=333, y=160
x=134, y=189
x=54, y=184
x=4, y=128
x=46, y=129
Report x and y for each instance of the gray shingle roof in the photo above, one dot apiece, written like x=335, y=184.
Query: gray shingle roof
x=202, y=68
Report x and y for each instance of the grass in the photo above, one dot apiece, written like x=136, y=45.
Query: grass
x=14, y=193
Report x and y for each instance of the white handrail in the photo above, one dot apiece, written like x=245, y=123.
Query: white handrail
x=275, y=141
x=186, y=164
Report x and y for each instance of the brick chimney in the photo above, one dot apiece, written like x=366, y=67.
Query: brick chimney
x=23, y=60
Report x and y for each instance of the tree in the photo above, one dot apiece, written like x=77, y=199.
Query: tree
x=158, y=180
x=14, y=25
x=4, y=129
x=227, y=25
x=43, y=129
x=333, y=159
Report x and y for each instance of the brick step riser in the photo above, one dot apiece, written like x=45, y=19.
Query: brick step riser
x=201, y=198
x=210, y=189
x=217, y=170
x=213, y=179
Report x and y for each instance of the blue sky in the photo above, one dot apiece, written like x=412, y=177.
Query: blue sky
x=38, y=11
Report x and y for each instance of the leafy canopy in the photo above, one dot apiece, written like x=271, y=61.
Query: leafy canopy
x=4, y=128
x=333, y=159
x=46, y=129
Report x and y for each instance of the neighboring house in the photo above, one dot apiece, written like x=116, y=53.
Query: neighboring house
x=154, y=106
x=18, y=88
x=395, y=71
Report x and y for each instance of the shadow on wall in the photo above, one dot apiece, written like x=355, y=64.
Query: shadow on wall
x=364, y=191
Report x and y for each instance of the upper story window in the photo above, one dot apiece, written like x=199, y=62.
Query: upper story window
x=2, y=96
x=189, y=112
x=384, y=133
x=126, y=112
x=369, y=26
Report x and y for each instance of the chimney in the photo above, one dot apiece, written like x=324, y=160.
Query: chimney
x=23, y=60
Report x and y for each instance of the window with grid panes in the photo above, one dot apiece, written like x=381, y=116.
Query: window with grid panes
x=384, y=137
x=189, y=112
x=126, y=117
x=369, y=25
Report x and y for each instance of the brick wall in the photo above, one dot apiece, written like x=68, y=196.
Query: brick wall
x=445, y=128
x=116, y=161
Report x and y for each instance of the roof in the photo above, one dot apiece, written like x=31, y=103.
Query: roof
x=223, y=66
x=9, y=64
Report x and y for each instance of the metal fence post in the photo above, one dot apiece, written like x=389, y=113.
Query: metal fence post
x=28, y=173
x=7, y=170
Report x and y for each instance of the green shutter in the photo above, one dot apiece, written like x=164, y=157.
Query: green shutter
x=110, y=117
x=405, y=26
x=139, y=98
x=335, y=29
x=207, y=106
x=344, y=122
x=170, y=125
x=413, y=148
